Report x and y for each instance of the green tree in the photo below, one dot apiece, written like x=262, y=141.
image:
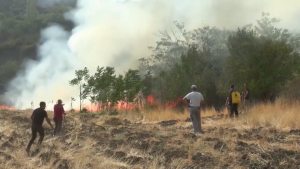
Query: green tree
x=118, y=91
x=7, y=72
x=147, y=83
x=31, y=12
x=102, y=85
x=266, y=27
x=81, y=76
x=264, y=63
x=132, y=85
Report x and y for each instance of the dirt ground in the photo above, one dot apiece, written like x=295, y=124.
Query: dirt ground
x=99, y=141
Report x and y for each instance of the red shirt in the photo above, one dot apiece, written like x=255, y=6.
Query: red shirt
x=58, y=111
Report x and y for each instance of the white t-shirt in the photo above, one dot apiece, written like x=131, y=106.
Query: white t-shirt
x=195, y=98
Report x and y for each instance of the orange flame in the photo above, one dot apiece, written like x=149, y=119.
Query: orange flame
x=173, y=104
x=123, y=105
x=150, y=99
x=3, y=107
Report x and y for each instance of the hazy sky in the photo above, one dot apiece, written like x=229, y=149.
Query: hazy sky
x=115, y=33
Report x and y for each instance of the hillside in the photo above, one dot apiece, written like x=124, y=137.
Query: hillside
x=20, y=36
x=136, y=140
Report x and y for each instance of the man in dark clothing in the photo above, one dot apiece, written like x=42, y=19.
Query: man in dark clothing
x=233, y=106
x=58, y=116
x=37, y=118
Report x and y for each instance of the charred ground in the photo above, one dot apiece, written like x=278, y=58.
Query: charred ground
x=99, y=141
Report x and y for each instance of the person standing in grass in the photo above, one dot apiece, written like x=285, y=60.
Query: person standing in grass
x=58, y=116
x=37, y=118
x=195, y=100
x=234, y=101
x=246, y=103
x=227, y=106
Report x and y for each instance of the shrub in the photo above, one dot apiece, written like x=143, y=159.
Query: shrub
x=113, y=112
x=84, y=110
x=101, y=113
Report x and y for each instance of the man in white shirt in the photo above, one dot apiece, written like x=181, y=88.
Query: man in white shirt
x=196, y=99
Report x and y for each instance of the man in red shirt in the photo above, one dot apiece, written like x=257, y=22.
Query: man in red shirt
x=58, y=116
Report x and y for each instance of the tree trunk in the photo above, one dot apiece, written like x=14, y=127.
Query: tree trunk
x=80, y=96
x=126, y=105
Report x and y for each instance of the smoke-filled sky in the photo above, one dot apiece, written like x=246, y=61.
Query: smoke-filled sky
x=118, y=32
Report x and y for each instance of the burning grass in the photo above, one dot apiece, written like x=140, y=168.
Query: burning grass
x=267, y=136
x=3, y=107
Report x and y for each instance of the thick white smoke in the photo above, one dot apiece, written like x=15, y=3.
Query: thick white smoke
x=117, y=33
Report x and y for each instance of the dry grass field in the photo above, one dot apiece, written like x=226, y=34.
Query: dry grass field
x=267, y=136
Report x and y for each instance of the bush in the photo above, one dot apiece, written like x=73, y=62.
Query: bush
x=291, y=90
x=101, y=113
x=113, y=112
x=84, y=110
x=86, y=116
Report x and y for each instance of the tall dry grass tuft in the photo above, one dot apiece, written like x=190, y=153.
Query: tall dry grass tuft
x=281, y=114
x=164, y=115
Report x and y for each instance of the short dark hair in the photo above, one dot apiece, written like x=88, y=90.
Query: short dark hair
x=42, y=104
x=232, y=86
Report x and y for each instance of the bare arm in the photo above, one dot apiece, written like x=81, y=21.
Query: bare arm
x=227, y=102
x=246, y=94
x=63, y=110
x=48, y=121
x=202, y=102
x=185, y=100
x=32, y=115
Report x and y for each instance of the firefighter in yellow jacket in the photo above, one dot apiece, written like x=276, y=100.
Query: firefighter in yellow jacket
x=234, y=101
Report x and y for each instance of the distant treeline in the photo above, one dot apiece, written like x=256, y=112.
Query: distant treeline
x=263, y=56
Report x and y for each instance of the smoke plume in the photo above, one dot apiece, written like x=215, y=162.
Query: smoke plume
x=118, y=32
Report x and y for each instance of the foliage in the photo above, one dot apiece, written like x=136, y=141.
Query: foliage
x=146, y=84
x=101, y=113
x=104, y=88
x=113, y=112
x=264, y=63
x=262, y=55
x=31, y=12
x=291, y=89
x=118, y=89
x=7, y=71
x=84, y=110
x=131, y=84
x=84, y=89
x=101, y=85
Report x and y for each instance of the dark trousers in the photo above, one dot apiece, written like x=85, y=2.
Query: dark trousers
x=58, y=124
x=195, y=117
x=234, y=109
x=36, y=129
